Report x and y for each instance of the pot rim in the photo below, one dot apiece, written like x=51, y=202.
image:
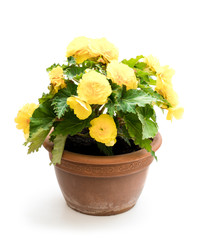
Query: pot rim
x=104, y=160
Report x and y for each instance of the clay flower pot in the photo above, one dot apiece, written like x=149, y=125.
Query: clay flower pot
x=103, y=185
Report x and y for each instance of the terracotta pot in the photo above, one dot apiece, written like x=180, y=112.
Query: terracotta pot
x=103, y=185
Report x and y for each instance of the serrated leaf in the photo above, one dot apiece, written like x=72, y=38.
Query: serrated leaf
x=71, y=87
x=144, y=143
x=147, y=111
x=71, y=60
x=59, y=102
x=37, y=140
x=134, y=127
x=52, y=66
x=159, y=99
x=149, y=127
x=110, y=107
x=73, y=71
x=71, y=125
x=131, y=62
x=45, y=97
x=42, y=118
x=59, y=143
x=133, y=98
x=116, y=91
x=112, y=103
x=145, y=77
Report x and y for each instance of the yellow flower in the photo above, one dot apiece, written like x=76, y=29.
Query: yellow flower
x=94, y=88
x=102, y=47
x=79, y=49
x=82, y=48
x=176, y=112
x=57, y=78
x=23, y=117
x=165, y=88
x=164, y=76
x=81, y=109
x=152, y=62
x=164, y=85
x=169, y=94
x=103, y=129
x=122, y=74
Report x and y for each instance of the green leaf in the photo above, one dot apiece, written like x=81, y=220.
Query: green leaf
x=147, y=112
x=134, y=127
x=116, y=92
x=144, y=144
x=89, y=64
x=52, y=66
x=146, y=117
x=42, y=118
x=104, y=149
x=71, y=125
x=145, y=77
x=133, y=98
x=59, y=143
x=71, y=60
x=123, y=132
x=151, y=81
x=142, y=73
x=159, y=99
x=36, y=140
x=59, y=102
x=74, y=71
x=131, y=62
x=71, y=87
x=110, y=107
x=140, y=65
x=45, y=97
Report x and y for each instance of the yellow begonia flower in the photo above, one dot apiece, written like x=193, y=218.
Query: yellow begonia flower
x=165, y=88
x=164, y=76
x=23, y=118
x=94, y=88
x=122, y=74
x=169, y=94
x=81, y=109
x=82, y=48
x=57, y=78
x=176, y=112
x=152, y=62
x=102, y=47
x=103, y=129
x=164, y=85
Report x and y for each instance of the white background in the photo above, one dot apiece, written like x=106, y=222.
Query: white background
x=34, y=35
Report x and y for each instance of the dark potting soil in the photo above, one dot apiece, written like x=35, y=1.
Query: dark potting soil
x=88, y=146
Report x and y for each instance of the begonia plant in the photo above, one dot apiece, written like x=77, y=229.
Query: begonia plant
x=96, y=96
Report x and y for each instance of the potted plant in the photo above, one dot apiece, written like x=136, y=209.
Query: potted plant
x=98, y=123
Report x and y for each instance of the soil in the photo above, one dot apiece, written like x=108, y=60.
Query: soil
x=88, y=146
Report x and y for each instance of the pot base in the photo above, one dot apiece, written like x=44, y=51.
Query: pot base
x=97, y=213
